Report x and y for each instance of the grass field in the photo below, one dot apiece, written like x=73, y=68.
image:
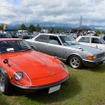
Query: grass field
x=84, y=87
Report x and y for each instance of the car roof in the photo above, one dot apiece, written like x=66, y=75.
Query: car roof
x=52, y=34
x=90, y=36
x=6, y=39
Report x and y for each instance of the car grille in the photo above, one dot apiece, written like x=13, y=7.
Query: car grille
x=100, y=55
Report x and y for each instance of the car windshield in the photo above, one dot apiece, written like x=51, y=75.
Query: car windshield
x=13, y=46
x=5, y=36
x=102, y=38
x=68, y=40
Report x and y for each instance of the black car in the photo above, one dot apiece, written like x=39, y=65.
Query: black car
x=2, y=35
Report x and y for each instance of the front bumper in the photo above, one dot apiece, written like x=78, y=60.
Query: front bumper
x=41, y=87
x=95, y=62
x=92, y=64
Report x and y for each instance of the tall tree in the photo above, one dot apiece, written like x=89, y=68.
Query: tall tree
x=23, y=27
x=1, y=28
x=57, y=31
x=51, y=30
x=38, y=28
x=63, y=30
x=98, y=32
x=31, y=28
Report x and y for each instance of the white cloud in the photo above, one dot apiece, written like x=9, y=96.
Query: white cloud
x=59, y=11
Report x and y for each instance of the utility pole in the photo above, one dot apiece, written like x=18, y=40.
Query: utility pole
x=25, y=21
x=80, y=22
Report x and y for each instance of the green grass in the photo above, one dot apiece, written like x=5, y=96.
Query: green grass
x=3, y=101
x=84, y=87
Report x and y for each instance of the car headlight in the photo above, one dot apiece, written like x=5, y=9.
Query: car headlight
x=18, y=75
x=91, y=57
x=64, y=67
x=21, y=78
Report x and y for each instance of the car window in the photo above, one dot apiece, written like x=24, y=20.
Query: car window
x=13, y=45
x=42, y=38
x=95, y=40
x=85, y=39
x=67, y=40
x=54, y=40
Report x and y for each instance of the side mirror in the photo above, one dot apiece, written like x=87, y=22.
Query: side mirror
x=33, y=47
x=6, y=62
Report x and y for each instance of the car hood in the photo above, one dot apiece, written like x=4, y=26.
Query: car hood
x=35, y=64
x=88, y=49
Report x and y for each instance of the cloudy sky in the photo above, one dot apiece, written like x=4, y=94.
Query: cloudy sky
x=54, y=11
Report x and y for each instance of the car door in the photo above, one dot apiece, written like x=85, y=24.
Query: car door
x=55, y=48
x=40, y=43
x=95, y=42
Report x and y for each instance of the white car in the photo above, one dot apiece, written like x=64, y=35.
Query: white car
x=92, y=41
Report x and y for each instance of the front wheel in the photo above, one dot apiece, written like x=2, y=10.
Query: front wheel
x=4, y=83
x=75, y=62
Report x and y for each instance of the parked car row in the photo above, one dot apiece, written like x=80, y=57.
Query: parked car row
x=17, y=35
x=27, y=69
x=67, y=49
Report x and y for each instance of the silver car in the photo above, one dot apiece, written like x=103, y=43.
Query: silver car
x=65, y=48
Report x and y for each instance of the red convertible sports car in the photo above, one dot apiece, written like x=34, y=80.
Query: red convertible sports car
x=22, y=67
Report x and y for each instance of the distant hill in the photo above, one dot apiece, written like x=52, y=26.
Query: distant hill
x=61, y=25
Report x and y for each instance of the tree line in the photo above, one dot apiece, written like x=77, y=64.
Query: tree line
x=38, y=28
x=31, y=28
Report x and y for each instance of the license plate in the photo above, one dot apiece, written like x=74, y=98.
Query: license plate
x=53, y=89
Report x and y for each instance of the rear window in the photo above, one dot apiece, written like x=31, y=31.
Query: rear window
x=42, y=38
x=85, y=39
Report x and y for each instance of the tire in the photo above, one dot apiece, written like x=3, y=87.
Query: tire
x=75, y=62
x=4, y=83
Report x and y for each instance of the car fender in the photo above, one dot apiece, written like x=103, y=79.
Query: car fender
x=3, y=70
x=73, y=55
